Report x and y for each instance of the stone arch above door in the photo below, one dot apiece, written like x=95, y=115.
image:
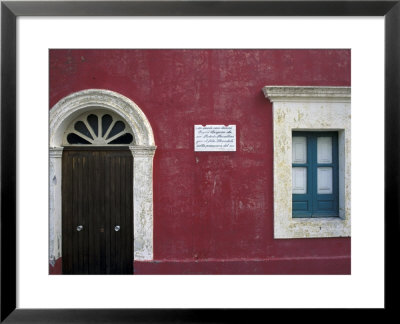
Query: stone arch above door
x=61, y=115
x=68, y=108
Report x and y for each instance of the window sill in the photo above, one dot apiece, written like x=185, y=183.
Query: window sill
x=315, y=216
x=313, y=227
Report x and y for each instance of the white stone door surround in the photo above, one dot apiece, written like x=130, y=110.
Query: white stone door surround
x=61, y=115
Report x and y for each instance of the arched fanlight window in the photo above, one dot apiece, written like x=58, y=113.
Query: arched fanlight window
x=98, y=128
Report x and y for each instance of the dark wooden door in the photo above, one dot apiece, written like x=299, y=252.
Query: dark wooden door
x=97, y=211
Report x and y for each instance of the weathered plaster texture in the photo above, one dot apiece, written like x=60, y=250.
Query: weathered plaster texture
x=309, y=108
x=61, y=115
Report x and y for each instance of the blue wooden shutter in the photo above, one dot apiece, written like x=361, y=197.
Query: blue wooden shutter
x=322, y=167
x=326, y=204
x=302, y=203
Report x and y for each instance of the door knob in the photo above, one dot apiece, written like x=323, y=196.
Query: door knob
x=117, y=228
x=79, y=228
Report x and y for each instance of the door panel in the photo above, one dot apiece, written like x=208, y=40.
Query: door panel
x=97, y=194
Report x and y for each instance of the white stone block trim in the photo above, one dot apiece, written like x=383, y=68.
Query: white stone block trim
x=55, y=241
x=61, y=115
x=315, y=109
x=143, y=201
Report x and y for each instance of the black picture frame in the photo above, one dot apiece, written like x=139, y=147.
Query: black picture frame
x=10, y=10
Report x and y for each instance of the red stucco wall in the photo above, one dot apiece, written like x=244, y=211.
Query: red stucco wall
x=212, y=206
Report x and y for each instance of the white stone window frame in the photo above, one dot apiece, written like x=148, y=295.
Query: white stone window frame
x=297, y=108
x=61, y=116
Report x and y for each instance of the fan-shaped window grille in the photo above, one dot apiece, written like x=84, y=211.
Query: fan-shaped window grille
x=98, y=128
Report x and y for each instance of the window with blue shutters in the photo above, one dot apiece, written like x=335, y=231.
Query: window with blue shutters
x=315, y=174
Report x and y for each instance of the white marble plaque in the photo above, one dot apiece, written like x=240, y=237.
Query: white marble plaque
x=214, y=138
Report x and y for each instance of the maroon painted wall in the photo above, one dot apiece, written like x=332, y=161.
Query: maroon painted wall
x=212, y=206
